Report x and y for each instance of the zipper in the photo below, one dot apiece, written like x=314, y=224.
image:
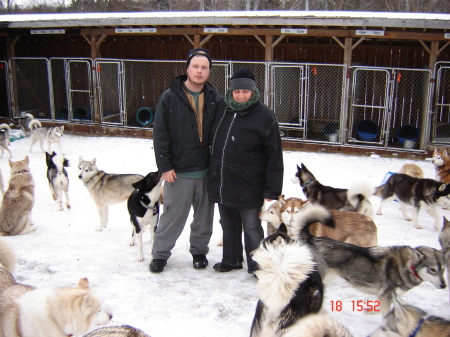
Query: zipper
x=223, y=158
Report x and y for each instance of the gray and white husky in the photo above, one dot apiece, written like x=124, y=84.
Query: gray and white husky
x=105, y=188
x=417, y=193
x=353, y=199
x=387, y=270
x=58, y=179
x=409, y=321
x=5, y=132
x=39, y=133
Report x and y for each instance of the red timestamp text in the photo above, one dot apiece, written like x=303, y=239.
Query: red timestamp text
x=357, y=305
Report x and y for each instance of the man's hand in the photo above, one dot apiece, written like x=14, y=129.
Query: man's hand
x=169, y=176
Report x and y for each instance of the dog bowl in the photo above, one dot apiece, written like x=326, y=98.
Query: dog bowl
x=367, y=129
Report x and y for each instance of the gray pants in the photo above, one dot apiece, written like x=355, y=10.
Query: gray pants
x=179, y=196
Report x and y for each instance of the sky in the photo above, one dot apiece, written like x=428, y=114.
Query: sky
x=183, y=301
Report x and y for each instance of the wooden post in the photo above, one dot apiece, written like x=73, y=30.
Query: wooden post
x=269, y=48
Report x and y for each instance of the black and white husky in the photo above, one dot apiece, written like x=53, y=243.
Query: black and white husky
x=289, y=285
x=415, y=192
x=58, y=179
x=143, y=206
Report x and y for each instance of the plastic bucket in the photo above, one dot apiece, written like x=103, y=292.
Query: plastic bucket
x=367, y=129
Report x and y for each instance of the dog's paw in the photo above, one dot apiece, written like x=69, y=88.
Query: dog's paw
x=417, y=227
x=140, y=258
x=379, y=213
x=98, y=229
x=408, y=218
x=68, y=206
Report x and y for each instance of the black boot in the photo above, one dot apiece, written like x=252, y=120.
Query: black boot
x=157, y=265
x=199, y=261
x=224, y=267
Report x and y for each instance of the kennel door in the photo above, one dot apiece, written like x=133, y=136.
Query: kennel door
x=287, y=99
x=109, y=85
x=79, y=90
x=441, y=118
x=369, y=105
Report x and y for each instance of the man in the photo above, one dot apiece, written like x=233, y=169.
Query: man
x=184, y=116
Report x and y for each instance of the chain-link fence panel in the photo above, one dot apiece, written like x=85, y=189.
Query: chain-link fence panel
x=369, y=105
x=408, y=108
x=4, y=89
x=441, y=120
x=287, y=92
x=109, y=84
x=30, y=91
x=80, y=90
x=68, y=76
x=144, y=82
x=325, y=88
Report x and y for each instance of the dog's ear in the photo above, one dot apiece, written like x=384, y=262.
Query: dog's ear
x=282, y=228
x=93, y=161
x=83, y=283
x=442, y=187
x=138, y=184
x=80, y=160
x=27, y=160
x=281, y=201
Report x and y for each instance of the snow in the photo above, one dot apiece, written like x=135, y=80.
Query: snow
x=183, y=301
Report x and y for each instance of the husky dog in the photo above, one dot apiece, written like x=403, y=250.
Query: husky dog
x=39, y=133
x=58, y=179
x=5, y=131
x=23, y=122
x=409, y=321
x=2, y=184
x=441, y=162
x=315, y=325
x=117, y=331
x=272, y=215
x=350, y=227
x=143, y=206
x=7, y=256
x=412, y=170
x=288, y=283
x=415, y=192
x=444, y=240
x=18, y=201
x=354, y=199
x=105, y=188
x=29, y=312
x=387, y=270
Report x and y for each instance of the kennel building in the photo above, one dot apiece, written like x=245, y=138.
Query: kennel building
x=349, y=81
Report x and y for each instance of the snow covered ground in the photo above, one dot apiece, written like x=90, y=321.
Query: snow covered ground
x=182, y=301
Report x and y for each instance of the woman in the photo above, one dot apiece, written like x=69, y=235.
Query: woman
x=246, y=166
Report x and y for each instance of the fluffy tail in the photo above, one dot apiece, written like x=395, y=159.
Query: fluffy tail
x=34, y=124
x=359, y=192
x=60, y=162
x=7, y=256
x=282, y=267
x=30, y=116
x=312, y=214
x=315, y=325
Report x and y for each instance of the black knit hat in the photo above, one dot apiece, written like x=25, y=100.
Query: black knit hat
x=243, y=79
x=198, y=52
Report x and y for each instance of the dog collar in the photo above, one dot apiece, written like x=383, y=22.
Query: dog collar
x=309, y=182
x=414, y=271
x=23, y=171
x=416, y=330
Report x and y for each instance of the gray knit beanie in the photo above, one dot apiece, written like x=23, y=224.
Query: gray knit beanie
x=243, y=79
